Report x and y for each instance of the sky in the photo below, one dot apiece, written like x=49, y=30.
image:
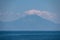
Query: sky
x=32, y=15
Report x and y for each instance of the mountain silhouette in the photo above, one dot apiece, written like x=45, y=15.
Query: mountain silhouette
x=33, y=20
x=30, y=22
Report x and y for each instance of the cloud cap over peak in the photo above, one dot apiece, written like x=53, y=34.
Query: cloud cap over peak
x=44, y=14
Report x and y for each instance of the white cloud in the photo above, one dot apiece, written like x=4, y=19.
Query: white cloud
x=30, y=12
x=11, y=16
x=44, y=14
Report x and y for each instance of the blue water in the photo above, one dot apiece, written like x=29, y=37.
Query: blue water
x=29, y=35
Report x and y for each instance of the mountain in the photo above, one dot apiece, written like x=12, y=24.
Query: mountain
x=33, y=20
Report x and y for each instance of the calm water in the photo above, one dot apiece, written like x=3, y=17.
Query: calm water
x=29, y=35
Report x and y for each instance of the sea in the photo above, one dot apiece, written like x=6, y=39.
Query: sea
x=29, y=35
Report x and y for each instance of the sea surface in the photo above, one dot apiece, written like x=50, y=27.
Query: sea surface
x=29, y=35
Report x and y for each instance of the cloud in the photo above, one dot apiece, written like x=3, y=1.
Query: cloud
x=11, y=16
x=30, y=12
x=44, y=14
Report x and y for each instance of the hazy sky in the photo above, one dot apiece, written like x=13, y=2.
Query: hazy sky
x=30, y=15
